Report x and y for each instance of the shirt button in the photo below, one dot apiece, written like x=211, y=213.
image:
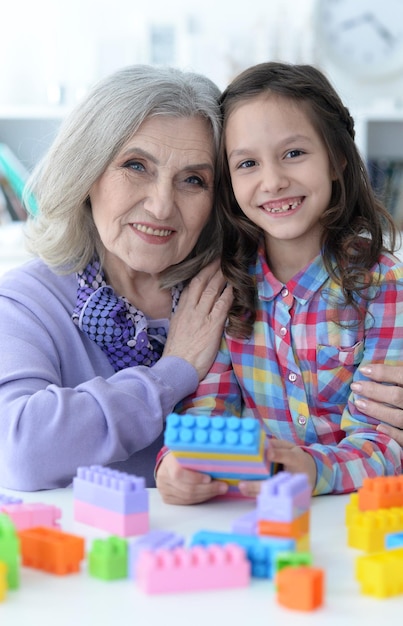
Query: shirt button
x=301, y=420
x=292, y=377
x=283, y=331
x=284, y=292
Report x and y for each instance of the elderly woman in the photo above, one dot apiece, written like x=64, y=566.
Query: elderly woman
x=124, y=220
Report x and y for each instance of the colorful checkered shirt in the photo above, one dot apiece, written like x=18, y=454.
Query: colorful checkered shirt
x=295, y=371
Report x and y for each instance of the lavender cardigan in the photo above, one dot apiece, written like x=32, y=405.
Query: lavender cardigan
x=61, y=403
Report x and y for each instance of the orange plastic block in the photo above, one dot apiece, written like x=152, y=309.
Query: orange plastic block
x=296, y=529
x=367, y=530
x=381, y=492
x=381, y=574
x=3, y=581
x=300, y=588
x=51, y=550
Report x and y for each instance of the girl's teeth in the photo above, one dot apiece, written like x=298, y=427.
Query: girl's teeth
x=284, y=208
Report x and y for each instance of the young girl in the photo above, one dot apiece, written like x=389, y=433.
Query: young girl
x=317, y=292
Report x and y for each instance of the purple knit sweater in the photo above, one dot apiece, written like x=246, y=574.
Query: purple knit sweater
x=61, y=403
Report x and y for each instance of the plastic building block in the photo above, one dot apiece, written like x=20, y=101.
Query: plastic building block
x=367, y=530
x=297, y=528
x=284, y=497
x=381, y=492
x=6, y=499
x=29, y=515
x=193, y=569
x=213, y=434
x=153, y=540
x=110, y=489
x=108, y=558
x=51, y=550
x=381, y=575
x=226, y=448
x=245, y=524
x=300, y=588
x=110, y=521
x=10, y=551
x=3, y=581
x=394, y=540
x=261, y=551
x=292, y=559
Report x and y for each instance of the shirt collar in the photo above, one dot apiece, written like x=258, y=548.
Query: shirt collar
x=302, y=286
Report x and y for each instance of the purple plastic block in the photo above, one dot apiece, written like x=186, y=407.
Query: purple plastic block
x=110, y=489
x=153, y=540
x=5, y=499
x=283, y=497
x=245, y=524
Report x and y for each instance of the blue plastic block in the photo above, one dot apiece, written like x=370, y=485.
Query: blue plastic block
x=5, y=499
x=394, y=540
x=154, y=540
x=261, y=551
x=232, y=435
x=110, y=489
x=284, y=497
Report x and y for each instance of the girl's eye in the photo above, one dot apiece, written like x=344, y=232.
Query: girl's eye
x=293, y=153
x=246, y=164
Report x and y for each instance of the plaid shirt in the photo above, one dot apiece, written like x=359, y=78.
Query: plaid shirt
x=295, y=371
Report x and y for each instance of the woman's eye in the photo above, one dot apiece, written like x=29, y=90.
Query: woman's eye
x=195, y=180
x=135, y=165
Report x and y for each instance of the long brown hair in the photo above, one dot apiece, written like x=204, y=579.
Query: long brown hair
x=356, y=226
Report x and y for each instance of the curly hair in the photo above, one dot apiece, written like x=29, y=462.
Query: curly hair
x=62, y=232
x=356, y=226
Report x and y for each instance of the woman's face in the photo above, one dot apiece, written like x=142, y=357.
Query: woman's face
x=152, y=201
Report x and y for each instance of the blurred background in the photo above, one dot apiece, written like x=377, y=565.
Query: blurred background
x=52, y=51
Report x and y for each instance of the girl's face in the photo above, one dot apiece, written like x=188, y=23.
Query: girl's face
x=280, y=172
x=152, y=201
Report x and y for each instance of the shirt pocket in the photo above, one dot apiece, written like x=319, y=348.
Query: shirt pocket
x=335, y=370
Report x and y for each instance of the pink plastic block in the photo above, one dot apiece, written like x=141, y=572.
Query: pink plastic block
x=284, y=497
x=193, y=569
x=111, y=522
x=30, y=515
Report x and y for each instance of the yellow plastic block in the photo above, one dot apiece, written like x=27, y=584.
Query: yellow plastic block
x=367, y=529
x=381, y=574
x=3, y=581
x=351, y=508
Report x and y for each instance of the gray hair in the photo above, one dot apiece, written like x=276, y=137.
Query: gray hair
x=62, y=232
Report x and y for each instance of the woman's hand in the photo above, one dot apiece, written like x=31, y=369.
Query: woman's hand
x=294, y=460
x=380, y=401
x=196, y=328
x=178, y=485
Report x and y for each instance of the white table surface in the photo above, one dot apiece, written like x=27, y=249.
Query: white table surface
x=80, y=600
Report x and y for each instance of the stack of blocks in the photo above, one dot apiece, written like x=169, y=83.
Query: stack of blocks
x=110, y=500
x=374, y=519
x=227, y=448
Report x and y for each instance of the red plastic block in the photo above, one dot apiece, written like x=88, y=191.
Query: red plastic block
x=381, y=492
x=300, y=588
x=29, y=515
x=51, y=550
x=193, y=569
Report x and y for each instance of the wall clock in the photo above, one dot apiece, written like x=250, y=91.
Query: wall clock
x=362, y=37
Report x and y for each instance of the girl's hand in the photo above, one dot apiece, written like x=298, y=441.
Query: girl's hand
x=383, y=402
x=178, y=485
x=294, y=460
